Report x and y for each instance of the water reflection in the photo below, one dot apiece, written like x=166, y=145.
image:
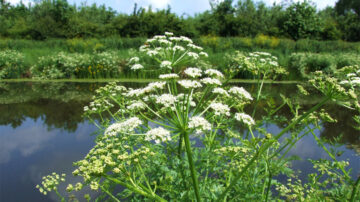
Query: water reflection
x=42, y=130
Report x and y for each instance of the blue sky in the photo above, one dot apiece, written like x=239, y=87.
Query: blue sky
x=178, y=6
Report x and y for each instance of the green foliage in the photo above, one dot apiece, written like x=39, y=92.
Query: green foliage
x=11, y=64
x=46, y=19
x=304, y=64
x=301, y=21
x=69, y=65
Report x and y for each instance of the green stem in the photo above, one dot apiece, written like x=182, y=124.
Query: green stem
x=135, y=189
x=192, y=167
x=356, y=186
x=108, y=193
x=59, y=195
x=269, y=144
x=268, y=186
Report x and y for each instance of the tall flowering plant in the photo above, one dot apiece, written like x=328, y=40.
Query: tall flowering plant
x=180, y=138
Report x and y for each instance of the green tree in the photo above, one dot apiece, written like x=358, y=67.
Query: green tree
x=301, y=21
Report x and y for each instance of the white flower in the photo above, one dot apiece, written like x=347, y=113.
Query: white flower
x=150, y=40
x=221, y=91
x=166, y=64
x=164, y=41
x=189, y=84
x=175, y=38
x=169, y=33
x=204, y=54
x=211, y=81
x=178, y=48
x=241, y=92
x=134, y=60
x=350, y=75
x=344, y=82
x=245, y=118
x=155, y=86
x=186, y=39
x=355, y=81
x=158, y=134
x=274, y=63
x=136, y=106
x=151, y=53
x=200, y=124
x=159, y=37
x=166, y=99
x=194, y=47
x=262, y=53
x=193, y=55
x=86, y=108
x=193, y=72
x=220, y=109
x=123, y=127
x=214, y=72
x=135, y=92
x=168, y=76
x=143, y=48
x=137, y=66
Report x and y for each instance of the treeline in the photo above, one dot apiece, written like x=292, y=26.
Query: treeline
x=295, y=20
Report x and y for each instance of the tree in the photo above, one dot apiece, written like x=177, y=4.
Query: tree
x=345, y=6
x=301, y=21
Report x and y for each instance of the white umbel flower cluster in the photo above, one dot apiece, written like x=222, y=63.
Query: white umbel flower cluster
x=220, y=109
x=241, y=92
x=137, y=67
x=214, y=73
x=168, y=76
x=193, y=72
x=166, y=99
x=211, y=81
x=193, y=55
x=134, y=60
x=135, y=106
x=166, y=64
x=178, y=48
x=199, y=124
x=123, y=127
x=204, y=54
x=149, y=88
x=221, y=91
x=190, y=84
x=245, y=118
x=158, y=135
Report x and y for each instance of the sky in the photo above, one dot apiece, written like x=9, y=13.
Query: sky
x=180, y=7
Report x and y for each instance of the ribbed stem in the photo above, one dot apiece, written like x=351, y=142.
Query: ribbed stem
x=192, y=167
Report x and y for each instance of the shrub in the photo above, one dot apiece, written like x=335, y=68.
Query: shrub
x=11, y=64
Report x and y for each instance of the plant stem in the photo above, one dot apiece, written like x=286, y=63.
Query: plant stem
x=192, y=167
x=135, y=189
x=356, y=185
x=268, y=145
x=108, y=193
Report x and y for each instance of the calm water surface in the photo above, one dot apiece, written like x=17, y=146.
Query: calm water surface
x=42, y=130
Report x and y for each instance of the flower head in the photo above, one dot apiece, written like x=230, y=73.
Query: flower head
x=158, y=135
x=199, y=124
x=245, y=118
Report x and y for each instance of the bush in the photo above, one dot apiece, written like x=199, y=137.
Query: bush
x=11, y=64
x=78, y=65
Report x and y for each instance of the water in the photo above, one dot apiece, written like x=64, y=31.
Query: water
x=42, y=130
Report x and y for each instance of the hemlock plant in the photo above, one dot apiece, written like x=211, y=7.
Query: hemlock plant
x=188, y=137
